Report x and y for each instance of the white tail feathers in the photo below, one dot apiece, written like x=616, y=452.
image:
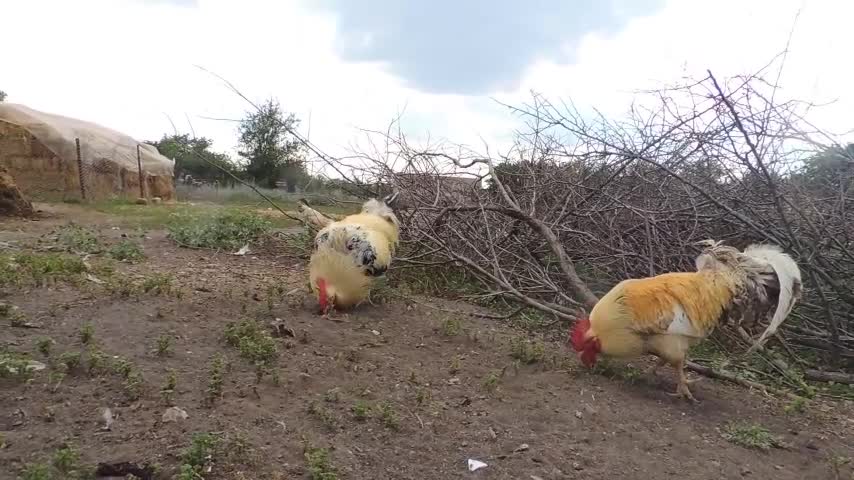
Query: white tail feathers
x=789, y=280
x=312, y=217
x=758, y=267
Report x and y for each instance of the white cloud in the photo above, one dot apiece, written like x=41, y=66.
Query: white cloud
x=128, y=64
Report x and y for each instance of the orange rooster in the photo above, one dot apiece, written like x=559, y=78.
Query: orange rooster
x=665, y=315
x=351, y=253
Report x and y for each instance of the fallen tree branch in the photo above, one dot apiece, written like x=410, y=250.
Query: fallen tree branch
x=729, y=377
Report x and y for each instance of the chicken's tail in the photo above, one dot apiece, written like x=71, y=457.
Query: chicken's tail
x=311, y=216
x=756, y=269
x=788, y=277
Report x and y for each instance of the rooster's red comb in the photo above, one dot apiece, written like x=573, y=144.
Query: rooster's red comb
x=321, y=296
x=576, y=336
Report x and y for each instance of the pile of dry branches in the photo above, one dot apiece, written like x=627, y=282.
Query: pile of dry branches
x=581, y=202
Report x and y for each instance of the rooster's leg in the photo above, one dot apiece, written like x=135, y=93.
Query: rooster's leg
x=682, y=389
x=653, y=371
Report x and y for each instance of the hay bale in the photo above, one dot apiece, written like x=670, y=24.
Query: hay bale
x=12, y=202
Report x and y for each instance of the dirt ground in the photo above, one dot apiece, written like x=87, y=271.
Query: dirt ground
x=449, y=396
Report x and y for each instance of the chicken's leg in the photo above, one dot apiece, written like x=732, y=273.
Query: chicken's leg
x=682, y=388
x=653, y=371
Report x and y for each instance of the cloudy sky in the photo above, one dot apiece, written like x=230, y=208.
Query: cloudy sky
x=345, y=64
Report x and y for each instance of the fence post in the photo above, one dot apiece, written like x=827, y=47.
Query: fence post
x=80, y=169
x=139, y=169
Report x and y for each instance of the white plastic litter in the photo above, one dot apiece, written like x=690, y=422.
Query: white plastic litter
x=475, y=465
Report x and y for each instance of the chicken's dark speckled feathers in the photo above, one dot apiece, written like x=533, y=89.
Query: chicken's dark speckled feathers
x=358, y=247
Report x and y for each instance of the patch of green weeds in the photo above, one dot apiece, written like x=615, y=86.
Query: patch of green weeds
x=197, y=456
x=361, y=410
x=254, y=344
x=527, y=351
x=452, y=327
x=169, y=386
x=323, y=415
x=225, y=229
x=388, y=416
x=65, y=465
x=39, y=268
x=164, y=345
x=87, y=333
x=319, y=465
x=749, y=435
x=215, y=380
x=44, y=345
x=12, y=314
x=490, y=382
x=77, y=239
x=126, y=251
x=14, y=365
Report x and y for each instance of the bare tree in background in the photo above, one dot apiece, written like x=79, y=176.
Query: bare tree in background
x=581, y=202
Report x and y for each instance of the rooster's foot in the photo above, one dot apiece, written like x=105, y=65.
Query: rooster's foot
x=683, y=392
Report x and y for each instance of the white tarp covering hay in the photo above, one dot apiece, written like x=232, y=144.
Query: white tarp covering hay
x=38, y=149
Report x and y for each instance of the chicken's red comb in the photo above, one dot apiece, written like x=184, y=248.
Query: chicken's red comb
x=321, y=295
x=577, y=335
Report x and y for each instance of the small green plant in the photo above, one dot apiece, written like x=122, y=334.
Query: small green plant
x=456, y=365
x=612, y=369
x=318, y=464
x=527, y=351
x=123, y=367
x=13, y=314
x=77, y=239
x=229, y=229
x=126, y=251
x=70, y=360
x=254, y=344
x=169, y=386
x=333, y=395
x=798, y=405
x=133, y=385
x=97, y=360
x=164, y=345
x=37, y=471
x=38, y=268
x=361, y=410
x=66, y=459
x=197, y=455
x=325, y=417
x=13, y=365
x=388, y=416
x=87, y=333
x=836, y=463
x=422, y=395
x=215, y=380
x=490, y=382
x=55, y=378
x=65, y=464
x=158, y=284
x=452, y=327
x=749, y=435
x=123, y=287
x=44, y=345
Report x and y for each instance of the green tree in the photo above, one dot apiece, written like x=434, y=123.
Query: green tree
x=188, y=153
x=270, y=149
x=2, y=96
x=832, y=168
